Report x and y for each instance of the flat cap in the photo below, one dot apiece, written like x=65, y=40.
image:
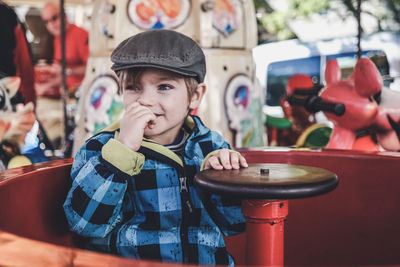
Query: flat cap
x=162, y=49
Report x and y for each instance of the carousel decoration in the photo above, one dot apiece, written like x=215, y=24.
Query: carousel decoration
x=227, y=16
x=241, y=109
x=104, y=17
x=158, y=14
x=103, y=104
x=14, y=126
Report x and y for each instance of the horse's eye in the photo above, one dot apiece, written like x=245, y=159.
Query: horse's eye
x=377, y=97
x=2, y=101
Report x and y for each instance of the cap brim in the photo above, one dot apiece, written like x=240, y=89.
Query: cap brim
x=119, y=67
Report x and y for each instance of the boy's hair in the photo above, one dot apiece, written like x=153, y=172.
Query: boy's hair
x=163, y=49
x=134, y=75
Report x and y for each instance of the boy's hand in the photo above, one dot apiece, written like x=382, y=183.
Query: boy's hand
x=226, y=159
x=133, y=123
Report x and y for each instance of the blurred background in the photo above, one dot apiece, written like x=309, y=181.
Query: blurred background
x=252, y=50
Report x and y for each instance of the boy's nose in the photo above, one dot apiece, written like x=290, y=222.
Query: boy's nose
x=146, y=98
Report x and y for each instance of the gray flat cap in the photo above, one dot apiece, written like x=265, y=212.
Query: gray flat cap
x=162, y=49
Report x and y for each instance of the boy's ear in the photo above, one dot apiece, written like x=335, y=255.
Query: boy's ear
x=198, y=96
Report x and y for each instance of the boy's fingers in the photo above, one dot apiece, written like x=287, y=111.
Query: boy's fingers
x=235, y=160
x=142, y=117
x=207, y=165
x=147, y=112
x=225, y=159
x=135, y=107
x=131, y=106
x=215, y=163
x=141, y=113
x=243, y=161
x=135, y=110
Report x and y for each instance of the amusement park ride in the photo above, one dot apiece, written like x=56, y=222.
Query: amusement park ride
x=336, y=205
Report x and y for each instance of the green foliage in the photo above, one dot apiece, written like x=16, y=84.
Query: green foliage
x=276, y=22
x=306, y=8
x=258, y=4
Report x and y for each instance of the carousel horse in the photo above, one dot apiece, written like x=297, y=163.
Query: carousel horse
x=360, y=108
x=14, y=125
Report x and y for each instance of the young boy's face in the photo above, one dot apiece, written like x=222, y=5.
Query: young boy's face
x=166, y=96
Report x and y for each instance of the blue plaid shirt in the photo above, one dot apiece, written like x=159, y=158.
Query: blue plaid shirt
x=156, y=213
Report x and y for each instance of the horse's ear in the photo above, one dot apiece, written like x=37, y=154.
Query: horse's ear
x=333, y=74
x=10, y=85
x=367, y=79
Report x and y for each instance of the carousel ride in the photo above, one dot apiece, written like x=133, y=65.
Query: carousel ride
x=332, y=206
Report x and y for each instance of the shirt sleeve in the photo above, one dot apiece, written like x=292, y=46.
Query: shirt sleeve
x=93, y=204
x=225, y=211
x=227, y=214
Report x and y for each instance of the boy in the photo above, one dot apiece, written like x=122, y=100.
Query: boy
x=132, y=191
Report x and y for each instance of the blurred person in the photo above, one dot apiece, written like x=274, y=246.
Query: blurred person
x=49, y=76
x=42, y=43
x=15, y=56
x=76, y=45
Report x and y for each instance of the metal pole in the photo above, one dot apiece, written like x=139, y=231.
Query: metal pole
x=64, y=93
x=265, y=231
x=359, y=29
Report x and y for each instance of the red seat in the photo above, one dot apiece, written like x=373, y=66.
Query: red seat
x=356, y=224
x=31, y=199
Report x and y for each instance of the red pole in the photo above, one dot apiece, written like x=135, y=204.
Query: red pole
x=265, y=228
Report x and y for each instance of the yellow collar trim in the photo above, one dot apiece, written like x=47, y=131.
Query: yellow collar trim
x=147, y=143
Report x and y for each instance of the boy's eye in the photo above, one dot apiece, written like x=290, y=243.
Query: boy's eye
x=165, y=87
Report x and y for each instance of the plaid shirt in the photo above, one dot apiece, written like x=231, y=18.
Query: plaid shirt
x=156, y=213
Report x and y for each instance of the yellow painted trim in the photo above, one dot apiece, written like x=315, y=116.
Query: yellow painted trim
x=302, y=138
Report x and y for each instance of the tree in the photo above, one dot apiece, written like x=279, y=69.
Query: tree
x=275, y=21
